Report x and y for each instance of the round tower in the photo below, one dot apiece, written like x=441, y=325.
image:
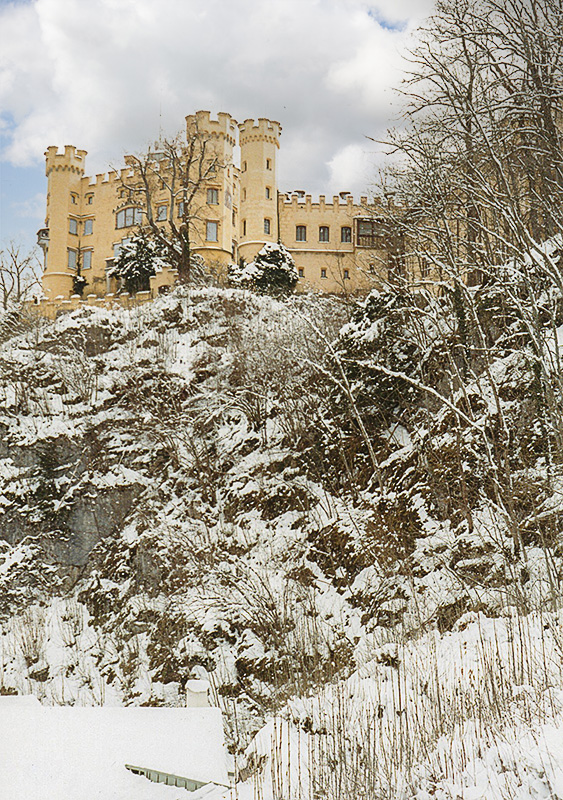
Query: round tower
x=215, y=241
x=64, y=196
x=259, y=143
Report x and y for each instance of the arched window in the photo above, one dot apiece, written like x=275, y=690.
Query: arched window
x=127, y=217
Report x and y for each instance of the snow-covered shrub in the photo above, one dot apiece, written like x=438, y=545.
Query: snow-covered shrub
x=79, y=283
x=272, y=271
x=138, y=260
x=393, y=342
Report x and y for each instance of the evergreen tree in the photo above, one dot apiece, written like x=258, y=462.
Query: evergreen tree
x=138, y=260
x=272, y=271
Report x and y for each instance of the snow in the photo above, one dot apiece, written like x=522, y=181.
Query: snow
x=475, y=714
x=52, y=753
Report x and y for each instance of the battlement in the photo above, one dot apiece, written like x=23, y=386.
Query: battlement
x=70, y=159
x=300, y=200
x=264, y=129
x=224, y=126
x=112, y=176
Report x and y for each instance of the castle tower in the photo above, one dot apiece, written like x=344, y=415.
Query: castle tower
x=64, y=202
x=217, y=233
x=259, y=143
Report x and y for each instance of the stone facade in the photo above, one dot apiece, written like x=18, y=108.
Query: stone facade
x=338, y=246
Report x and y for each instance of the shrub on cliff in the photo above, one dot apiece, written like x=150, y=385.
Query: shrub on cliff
x=272, y=272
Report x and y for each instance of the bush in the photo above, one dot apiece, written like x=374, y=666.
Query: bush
x=138, y=260
x=272, y=272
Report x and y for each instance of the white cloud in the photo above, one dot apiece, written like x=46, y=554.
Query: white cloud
x=349, y=169
x=32, y=208
x=107, y=74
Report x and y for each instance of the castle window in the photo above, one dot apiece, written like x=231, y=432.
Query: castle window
x=268, y=163
x=424, y=268
x=301, y=233
x=212, y=232
x=244, y=194
x=301, y=272
x=323, y=273
x=161, y=213
x=88, y=227
x=73, y=226
x=86, y=259
x=346, y=234
x=181, y=208
x=244, y=227
x=213, y=197
x=234, y=217
x=74, y=199
x=346, y=274
x=244, y=166
x=268, y=193
x=323, y=233
x=72, y=259
x=127, y=217
x=267, y=227
x=369, y=233
x=89, y=199
x=117, y=247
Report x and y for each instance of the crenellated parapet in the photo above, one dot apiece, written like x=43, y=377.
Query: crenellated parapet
x=299, y=201
x=110, y=177
x=305, y=202
x=263, y=130
x=224, y=127
x=70, y=160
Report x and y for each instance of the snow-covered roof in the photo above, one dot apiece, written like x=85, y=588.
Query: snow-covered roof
x=50, y=753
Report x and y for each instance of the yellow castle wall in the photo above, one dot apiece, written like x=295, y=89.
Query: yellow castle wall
x=333, y=266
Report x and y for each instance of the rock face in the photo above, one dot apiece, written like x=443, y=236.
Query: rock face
x=50, y=496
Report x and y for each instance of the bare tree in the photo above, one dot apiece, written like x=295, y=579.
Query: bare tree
x=479, y=174
x=482, y=173
x=173, y=175
x=18, y=275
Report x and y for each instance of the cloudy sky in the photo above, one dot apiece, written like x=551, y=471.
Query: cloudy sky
x=109, y=75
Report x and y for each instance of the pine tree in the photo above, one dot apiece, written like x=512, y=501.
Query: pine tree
x=272, y=271
x=138, y=260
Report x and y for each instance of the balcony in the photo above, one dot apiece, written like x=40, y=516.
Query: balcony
x=43, y=238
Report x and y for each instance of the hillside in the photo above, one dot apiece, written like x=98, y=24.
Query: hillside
x=331, y=510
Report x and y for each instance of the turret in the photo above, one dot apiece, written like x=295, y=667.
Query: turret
x=224, y=127
x=64, y=200
x=71, y=160
x=259, y=143
x=218, y=236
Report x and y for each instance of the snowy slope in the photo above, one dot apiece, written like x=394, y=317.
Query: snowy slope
x=186, y=491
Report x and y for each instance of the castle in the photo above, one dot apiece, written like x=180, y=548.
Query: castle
x=338, y=245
